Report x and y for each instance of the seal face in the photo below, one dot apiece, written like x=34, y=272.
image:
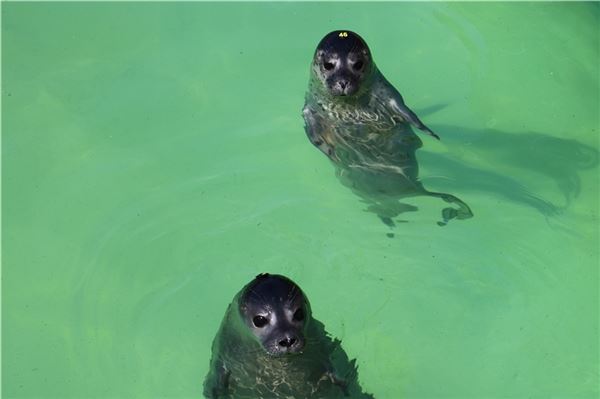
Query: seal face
x=277, y=313
x=270, y=346
x=359, y=120
x=341, y=62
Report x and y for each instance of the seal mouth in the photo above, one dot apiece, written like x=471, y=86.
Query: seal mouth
x=343, y=90
x=341, y=86
x=285, y=353
x=279, y=350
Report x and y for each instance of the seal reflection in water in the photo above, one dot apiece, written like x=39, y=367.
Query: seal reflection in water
x=359, y=120
x=269, y=346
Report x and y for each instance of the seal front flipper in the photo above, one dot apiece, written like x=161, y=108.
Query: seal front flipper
x=406, y=114
x=315, y=132
x=220, y=384
x=222, y=380
x=337, y=381
x=347, y=384
x=389, y=95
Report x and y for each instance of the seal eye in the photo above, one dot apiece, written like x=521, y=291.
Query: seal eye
x=299, y=315
x=358, y=65
x=260, y=321
x=328, y=65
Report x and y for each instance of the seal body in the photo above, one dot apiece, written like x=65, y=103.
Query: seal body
x=359, y=120
x=269, y=346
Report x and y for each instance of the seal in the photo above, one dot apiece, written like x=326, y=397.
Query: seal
x=270, y=346
x=360, y=121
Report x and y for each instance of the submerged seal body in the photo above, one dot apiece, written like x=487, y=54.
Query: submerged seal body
x=269, y=346
x=359, y=120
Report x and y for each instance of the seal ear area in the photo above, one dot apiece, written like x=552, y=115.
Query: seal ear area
x=299, y=315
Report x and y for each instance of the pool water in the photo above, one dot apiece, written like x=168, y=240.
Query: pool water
x=154, y=160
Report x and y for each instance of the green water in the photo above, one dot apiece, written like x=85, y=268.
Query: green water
x=154, y=161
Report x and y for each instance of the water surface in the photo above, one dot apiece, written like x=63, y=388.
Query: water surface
x=154, y=161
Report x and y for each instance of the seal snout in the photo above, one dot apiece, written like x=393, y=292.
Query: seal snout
x=343, y=87
x=288, y=342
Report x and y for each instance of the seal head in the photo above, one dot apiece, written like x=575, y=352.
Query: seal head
x=276, y=312
x=341, y=62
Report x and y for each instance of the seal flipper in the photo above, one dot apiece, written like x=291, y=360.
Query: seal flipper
x=389, y=95
x=409, y=116
x=463, y=211
x=348, y=384
x=335, y=380
x=314, y=131
x=220, y=383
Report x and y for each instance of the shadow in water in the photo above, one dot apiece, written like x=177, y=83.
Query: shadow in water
x=555, y=159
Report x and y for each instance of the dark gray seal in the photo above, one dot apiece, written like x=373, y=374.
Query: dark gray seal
x=269, y=346
x=359, y=120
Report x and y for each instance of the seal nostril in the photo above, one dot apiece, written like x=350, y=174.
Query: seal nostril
x=288, y=342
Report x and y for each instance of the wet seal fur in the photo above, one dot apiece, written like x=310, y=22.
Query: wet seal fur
x=269, y=346
x=359, y=120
